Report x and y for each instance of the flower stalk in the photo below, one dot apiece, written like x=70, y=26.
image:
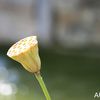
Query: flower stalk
x=43, y=86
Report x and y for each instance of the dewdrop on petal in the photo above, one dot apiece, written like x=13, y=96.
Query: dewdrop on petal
x=25, y=52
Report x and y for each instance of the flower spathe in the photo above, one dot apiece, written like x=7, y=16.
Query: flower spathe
x=25, y=52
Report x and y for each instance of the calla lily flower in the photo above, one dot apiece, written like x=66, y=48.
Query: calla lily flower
x=25, y=52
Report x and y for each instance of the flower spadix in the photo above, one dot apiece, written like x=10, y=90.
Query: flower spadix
x=25, y=52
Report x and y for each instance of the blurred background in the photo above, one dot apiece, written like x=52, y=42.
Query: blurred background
x=69, y=41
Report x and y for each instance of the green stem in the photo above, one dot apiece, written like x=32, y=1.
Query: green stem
x=43, y=86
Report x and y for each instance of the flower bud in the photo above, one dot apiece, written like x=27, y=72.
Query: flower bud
x=25, y=52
